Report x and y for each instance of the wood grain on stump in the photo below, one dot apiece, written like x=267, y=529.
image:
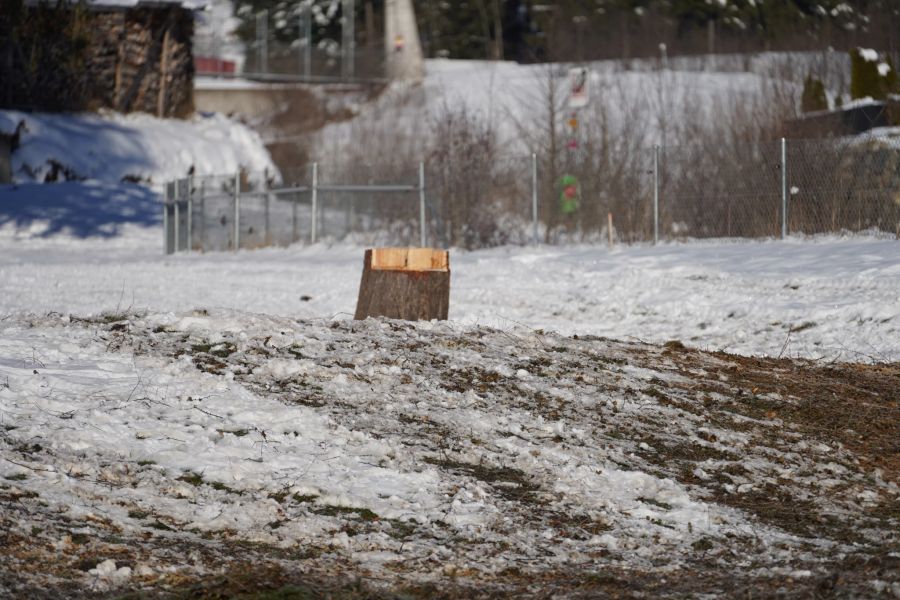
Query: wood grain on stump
x=405, y=283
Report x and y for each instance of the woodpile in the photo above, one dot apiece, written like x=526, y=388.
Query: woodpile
x=405, y=283
x=127, y=59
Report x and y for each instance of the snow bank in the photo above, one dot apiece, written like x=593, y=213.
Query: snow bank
x=110, y=147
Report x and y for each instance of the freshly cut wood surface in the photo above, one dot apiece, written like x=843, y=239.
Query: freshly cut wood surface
x=410, y=259
x=405, y=283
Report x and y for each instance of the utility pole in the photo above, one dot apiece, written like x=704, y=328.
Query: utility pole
x=370, y=24
x=304, y=33
x=348, y=45
x=401, y=41
x=262, y=40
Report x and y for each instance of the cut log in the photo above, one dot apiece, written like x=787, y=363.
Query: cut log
x=412, y=284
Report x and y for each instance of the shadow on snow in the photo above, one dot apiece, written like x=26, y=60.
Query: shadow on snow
x=82, y=209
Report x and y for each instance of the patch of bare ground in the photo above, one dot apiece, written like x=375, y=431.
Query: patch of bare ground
x=266, y=580
x=841, y=406
x=856, y=405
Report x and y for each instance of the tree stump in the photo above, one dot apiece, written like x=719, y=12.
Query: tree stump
x=405, y=283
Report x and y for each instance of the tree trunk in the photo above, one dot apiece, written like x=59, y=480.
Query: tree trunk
x=371, y=39
x=485, y=29
x=498, y=30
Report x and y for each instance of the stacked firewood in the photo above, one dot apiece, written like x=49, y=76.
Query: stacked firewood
x=137, y=59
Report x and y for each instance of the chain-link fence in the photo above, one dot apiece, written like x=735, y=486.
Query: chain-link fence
x=287, y=44
x=279, y=60
x=780, y=188
x=307, y=204
x=742, y=190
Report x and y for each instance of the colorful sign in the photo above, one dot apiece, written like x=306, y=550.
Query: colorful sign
x=579, y=78
x=569, y=195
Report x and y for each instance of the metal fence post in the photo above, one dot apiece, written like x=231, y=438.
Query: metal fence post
x=262, y=40
x=177, y=215
x=784, y=188
x=315, y=203
x=166, y=219
x=294, y=217
x=202, y=215
x=236, y=241
x=307, y=49
x=267, y=235
x=534, y=200
x=422, y=204
x=655, y=194
x=190, y=213
x=301, y=26
x=348, y=43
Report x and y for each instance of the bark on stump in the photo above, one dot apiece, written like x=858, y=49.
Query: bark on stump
x=405, y=283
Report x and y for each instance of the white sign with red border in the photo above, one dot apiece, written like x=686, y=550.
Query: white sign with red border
x=579, y=80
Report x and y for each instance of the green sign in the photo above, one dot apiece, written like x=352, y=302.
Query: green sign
x=569, y=195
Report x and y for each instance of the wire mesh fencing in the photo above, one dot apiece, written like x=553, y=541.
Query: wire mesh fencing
x=475, y=203
x=370, y=203
x=852, y=185
x=287, y=44
x=780, y=188
x=722, y=192
x=740, y=190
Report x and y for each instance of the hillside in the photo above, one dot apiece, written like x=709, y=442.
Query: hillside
x=161, y=451
x=629, y=101
x=210, y=425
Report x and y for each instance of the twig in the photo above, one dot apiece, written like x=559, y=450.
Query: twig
x=787, y=340
x=205, y=412
x=35, y=362
x=26, y=466
x=119, y=303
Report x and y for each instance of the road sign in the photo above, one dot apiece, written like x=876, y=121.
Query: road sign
x=579, y=79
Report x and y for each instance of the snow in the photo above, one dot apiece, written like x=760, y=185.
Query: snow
x=78, y=210
x=647, y=105
x=170, y=400
x=827, y=297
x=860, y=102
x=868, y=54
x=188, y=4
x=108, y=147
x=229, y=83
x=166, y=407
x=195, y=424
x=231, y=397
x=887, y=134
x=214, y=32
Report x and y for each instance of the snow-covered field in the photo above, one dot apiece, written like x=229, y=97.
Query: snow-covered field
x=702, y=419
x=162, y=415
x=826, y=298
